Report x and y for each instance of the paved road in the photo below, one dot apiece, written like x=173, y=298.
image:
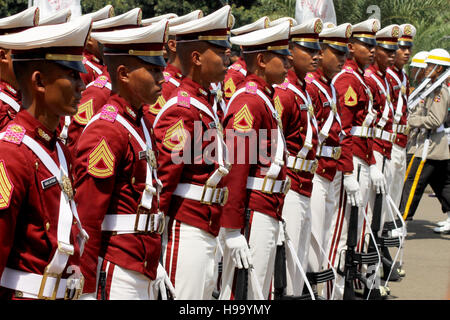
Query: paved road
x=426, y=257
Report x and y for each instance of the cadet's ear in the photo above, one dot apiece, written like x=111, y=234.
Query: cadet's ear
x=172, y=45
x=38, y=81
x=261, y=60
x=3, y=56
x=122, y=73
x=196, y=58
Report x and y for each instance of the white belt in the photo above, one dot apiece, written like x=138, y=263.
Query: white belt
x=48, y=286
x=363, y=132
x=383, y=135
x=142, y=222
x=205, y=194
x=330, y=152
x=300, y=164
x=400, y=128
x=269, y=185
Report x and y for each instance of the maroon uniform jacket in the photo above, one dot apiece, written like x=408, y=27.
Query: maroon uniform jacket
x=379, y=98
x=109, y=179
x=401, y=139
x=354, y=102
x=327, y=166
x=249, y=125
x=29, y=201
x=181, y=132
x=9, y=101
x=294, y=110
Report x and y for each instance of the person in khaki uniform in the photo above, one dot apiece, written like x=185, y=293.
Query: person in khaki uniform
x=429, y=117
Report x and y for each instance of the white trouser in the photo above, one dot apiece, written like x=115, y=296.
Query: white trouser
x=189, y=259
x=339, y=226
x=264, y=232
x=322, y=212
x=398, y=170
x=297, y=215
x=124, y=284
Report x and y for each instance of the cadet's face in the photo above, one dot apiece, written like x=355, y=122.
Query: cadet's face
x=214, y=61
x=332, y=61
x=417, y=74
x=363, y=53
x=402, y=56
x=145, y=83
x=63, y=87
x=276, y=68
x=304, y=59
x=385, y=58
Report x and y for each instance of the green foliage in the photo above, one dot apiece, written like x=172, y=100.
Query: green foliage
x=10, y=7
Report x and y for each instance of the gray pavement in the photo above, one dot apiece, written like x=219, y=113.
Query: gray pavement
x=426, y=256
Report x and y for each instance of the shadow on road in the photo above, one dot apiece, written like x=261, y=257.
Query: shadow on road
x=423, y=229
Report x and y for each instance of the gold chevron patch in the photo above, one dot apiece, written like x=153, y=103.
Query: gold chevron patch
x=278, y=105
x=175, y=137
x=350, y=99
x=243, y=120
x=157, y=106
x=6, y=187
x=101, y=161
x=229, y=88
x=85, y=112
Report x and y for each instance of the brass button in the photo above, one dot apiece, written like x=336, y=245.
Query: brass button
x=145, y=264
x=301, y=185
x=47, y=226
x=367, y=156
x=301, y=129
x=210, y=222
x=323, y=170
x=384, y=150
x=133, y=180
x=18, y=294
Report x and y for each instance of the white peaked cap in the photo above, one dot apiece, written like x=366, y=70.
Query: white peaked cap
x=407, y=34
x=418, y=60
x=145, y=43
x=365, y=31
x=23, y=19
x=438, y=56
x=61, y=43
x=307, y=34
x=261, y=23
x=275, y=39
x=60, y=16
x=148, y=21
x=103, y=13
x=276, y=22
x=388, y=37
x=194, y=15
x=337, y=37
x=213, y=28
x=129, y=18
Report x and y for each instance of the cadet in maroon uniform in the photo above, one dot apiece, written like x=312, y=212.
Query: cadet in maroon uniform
x=185, y=128
x=41, y=234
x=10, y=101
x=116, y=166
x=172, y=72
x=300, y=130
x=325, y=100
x=257, y=181
x=238, y=70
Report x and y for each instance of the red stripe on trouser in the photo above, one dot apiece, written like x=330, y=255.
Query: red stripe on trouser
x=173, y=240
x=233, y=286
x=109, y=276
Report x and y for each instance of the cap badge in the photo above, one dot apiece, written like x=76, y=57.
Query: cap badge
x=318, y=26
x=348, y=32
x=395, y=32
x=408, y=30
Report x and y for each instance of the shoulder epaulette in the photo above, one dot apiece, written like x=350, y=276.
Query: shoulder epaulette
x=348, y=69
x=183, y=99
x=285, y=84
x=100, y=82
x=14, y=133
x=109, y=113
x=167, y=76
x=309, y=77
x=368, y=73
x=236, y=66
x=251, y=87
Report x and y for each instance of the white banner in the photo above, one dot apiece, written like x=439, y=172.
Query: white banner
x=309, y=9
x=48, y=7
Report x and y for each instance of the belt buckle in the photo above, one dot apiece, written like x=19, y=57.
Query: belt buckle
x=336, y=153
x=70, y=293
x=161, y=223
x=263, y=189
x=202, y=199
x=286, y=185
x=141, y=210
x=407, y=129
x=44, y=281
x=314, y=166
x=224, y=196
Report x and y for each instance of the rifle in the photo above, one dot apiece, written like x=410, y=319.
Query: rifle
x=280, y=281
x=242, y=274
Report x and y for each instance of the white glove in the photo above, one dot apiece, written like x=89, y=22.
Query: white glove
x=237, y=244
x=352, y=188
x=162, y=283
x=378, y=181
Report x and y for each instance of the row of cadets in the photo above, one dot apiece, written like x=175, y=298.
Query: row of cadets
x=294, y=105
x=334, y=40
x=172, y=72
x=257, y=185
x=98, y=89
x=10, y=101
x=193, y=190
x=42, y=241
x=115, y=164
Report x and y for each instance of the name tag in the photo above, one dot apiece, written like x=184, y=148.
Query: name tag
x=326, y=104
x=142, y=155
x=212, y=125
x=47, y=183
x=303, y=107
